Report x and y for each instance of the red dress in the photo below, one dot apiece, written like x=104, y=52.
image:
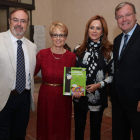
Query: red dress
x=54, y=109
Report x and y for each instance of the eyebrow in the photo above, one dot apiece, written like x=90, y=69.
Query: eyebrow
x=59, y=34
x=125, y=13
x=95, y=26
x=18, y=18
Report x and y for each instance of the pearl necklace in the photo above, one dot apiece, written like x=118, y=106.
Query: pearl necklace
x=56, y=57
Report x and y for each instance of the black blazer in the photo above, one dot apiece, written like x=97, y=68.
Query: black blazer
x=126, y=83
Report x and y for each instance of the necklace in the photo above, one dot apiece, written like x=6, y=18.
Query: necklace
x=56, y=57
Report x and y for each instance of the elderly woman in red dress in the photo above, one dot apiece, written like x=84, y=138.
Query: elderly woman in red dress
x=54, y=109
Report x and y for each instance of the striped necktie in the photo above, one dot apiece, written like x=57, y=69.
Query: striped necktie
x=20, y=74
x=124, y=45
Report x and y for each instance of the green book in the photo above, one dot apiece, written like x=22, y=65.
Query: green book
x=74, y=80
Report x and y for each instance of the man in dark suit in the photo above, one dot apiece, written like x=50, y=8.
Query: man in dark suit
x=126, y=85
x=17, y=64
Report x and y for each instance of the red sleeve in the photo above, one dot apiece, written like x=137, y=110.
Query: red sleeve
x=38, y=63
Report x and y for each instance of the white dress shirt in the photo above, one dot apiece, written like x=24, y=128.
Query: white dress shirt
x=129, y=35
x=27, y=68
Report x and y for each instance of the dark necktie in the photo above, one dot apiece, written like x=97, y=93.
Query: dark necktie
x=20, y=74
x=124, y=45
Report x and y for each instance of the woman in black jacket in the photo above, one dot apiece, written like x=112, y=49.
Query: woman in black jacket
x=95, y=54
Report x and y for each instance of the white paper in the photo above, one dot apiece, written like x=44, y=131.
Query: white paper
x=39, y=37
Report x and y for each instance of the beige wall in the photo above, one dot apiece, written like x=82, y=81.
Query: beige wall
x=75, y=14
x=42, y=15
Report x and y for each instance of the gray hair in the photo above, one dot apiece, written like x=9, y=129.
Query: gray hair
x=122, y=4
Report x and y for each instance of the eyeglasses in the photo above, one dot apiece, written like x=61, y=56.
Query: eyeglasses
x=22, y=21
x=126, y=16
x=60, y=35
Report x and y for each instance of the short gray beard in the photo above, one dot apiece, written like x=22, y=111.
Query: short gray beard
x=18, y=34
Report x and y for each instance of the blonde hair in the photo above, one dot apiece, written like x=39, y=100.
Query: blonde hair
x=61, y=26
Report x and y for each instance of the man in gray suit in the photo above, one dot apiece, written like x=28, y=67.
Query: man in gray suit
x=17, y=64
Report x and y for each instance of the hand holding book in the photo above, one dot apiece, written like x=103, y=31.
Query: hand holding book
x=77, y=95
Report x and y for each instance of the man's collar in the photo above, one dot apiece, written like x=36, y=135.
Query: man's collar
x=131, y=32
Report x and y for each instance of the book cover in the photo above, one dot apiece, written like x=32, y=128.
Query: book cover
x=74, y=80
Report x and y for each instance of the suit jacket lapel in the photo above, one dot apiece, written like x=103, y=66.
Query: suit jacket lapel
x=134, y=36
x=118, y=42
x=9, y=46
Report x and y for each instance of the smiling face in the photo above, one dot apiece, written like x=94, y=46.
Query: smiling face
x=126, y=23
x=95, y=30
x=18, y=29
x=58, y=41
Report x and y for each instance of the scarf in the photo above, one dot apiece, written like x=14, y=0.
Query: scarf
x=92, y=66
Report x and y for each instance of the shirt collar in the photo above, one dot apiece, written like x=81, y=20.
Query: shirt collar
x=131, y=32
x=14, y=39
